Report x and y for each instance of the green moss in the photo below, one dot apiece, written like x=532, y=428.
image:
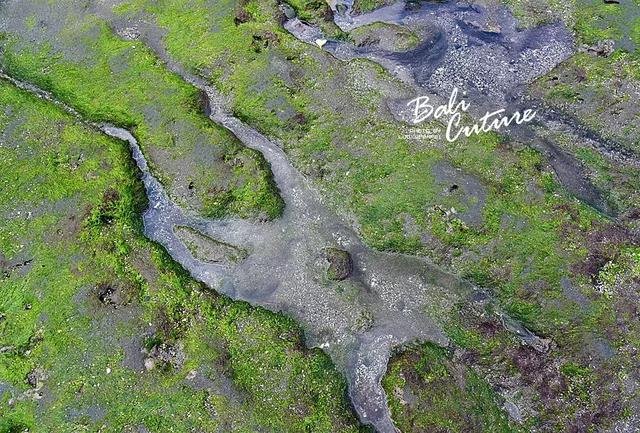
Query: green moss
x=532, y=13
x=574, y=370
x=564, y=91
x=72, y=201
x=428, y=392
x=596, y=20
x=123, y=83
x=363, y=6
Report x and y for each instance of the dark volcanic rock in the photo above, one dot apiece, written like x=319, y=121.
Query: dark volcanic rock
x=340, y=264
x=36, y=377
x=107, y=294
x=168, y=355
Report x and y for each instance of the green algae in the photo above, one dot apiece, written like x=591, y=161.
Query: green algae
x=162, y=112
x=429, y=392
x=531, y=235
x=71, y=203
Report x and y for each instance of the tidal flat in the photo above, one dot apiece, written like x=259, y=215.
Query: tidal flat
x=213, y=222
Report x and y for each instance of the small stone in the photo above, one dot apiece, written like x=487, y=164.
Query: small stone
x=288, y=11
x=149, y=364
x=36, y=377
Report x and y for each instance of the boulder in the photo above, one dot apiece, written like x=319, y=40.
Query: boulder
x=340, y=264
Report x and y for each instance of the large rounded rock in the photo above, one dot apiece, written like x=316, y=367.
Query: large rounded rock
x=340, y=264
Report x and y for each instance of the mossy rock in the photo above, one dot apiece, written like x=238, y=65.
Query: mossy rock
x=388, y=37
x=340, y=264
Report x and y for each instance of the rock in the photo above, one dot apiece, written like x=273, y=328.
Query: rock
x=242, y=16
x=603, y=48
x=302, y=30
x=385, y=36
x=513, y=411
x=108, y=295
x=129, y=33
x=288, y=11
x=539, y=344
x=168, y=355
x=36, y=377
x=149, y=364
x=340, y=264
x=208, y=249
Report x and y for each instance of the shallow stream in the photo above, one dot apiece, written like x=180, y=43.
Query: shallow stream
x=387, y=299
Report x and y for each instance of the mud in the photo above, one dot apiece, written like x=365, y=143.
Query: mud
x=282, y=271
x=467, y=188
x=481, y=50
x=284, y=268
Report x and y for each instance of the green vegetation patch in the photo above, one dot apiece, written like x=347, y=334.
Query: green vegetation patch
x=100, y=330
x=122, y=82
x=428, y=391
x=385, y=36
x=362, y=6
x=598, y=20
x=531, y=13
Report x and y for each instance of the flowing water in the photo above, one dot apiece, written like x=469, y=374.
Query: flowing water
x=358, y=322
x=482, y=51
x=387, y=300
